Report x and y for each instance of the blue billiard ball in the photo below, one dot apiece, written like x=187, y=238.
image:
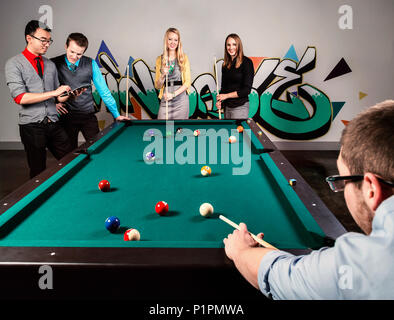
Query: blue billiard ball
x=151, y=133
x=112, y=224
x=150, y=156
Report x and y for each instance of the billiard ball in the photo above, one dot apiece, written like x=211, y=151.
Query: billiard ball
x=232, y=139
x=260, y=133
x=206, y=171
x=168, y=133
x=104, y=185
x=196, y=133
x=150, y=156
x=131, y=235
x=112, y=224
x=151, y=133
x=178, y=130
x=161, y=208
x=206, y=210
x=292, y=182
x=240, y=129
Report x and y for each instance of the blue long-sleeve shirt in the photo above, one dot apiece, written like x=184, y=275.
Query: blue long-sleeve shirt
x=358, y=266
x=101, y=87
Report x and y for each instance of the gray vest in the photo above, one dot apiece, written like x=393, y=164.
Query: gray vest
x=21, y=77
x=81, y=76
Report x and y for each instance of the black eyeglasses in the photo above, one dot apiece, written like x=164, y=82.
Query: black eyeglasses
x=337, y=183
x=43, y=41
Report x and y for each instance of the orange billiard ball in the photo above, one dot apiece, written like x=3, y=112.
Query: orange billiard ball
x=240, y=129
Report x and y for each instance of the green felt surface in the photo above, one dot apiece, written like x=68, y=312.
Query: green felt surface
x=72, y=212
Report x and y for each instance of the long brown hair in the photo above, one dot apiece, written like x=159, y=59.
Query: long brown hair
x=179, y=50
x=240, y=52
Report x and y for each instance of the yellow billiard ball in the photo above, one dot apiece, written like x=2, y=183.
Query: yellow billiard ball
x=206, y=171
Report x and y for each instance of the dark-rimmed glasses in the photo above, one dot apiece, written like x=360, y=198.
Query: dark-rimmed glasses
x=337, y=183
x=50, y=41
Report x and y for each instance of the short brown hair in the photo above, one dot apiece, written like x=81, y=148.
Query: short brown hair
x=79, y=38
x=368, y=142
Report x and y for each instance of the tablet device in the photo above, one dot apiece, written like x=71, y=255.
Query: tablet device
x=75, y=90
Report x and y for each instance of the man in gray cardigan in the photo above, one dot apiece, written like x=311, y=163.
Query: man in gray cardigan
x=34, y=85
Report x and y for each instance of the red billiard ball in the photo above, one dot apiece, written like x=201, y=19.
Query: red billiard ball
x=161, y=208
x=131, y=235
x=104, y=185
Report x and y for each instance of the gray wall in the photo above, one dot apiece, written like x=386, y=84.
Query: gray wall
x=267, y=28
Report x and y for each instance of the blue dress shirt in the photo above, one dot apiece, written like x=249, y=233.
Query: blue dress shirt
x=359, y=266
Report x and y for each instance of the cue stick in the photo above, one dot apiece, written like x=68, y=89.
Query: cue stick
x=167, y=91
x=217, y=88
x=127, y=91
x=258, y=240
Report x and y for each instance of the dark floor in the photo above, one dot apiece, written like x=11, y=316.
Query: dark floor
x=314, y=166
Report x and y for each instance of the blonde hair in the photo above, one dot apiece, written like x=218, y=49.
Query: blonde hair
x=179, y=50
x=240, y=52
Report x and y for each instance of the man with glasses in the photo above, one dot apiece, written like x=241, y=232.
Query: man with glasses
x=77, y=70
x=359, y=266
x=34, y=85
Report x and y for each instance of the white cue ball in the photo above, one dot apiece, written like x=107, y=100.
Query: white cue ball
x=206, y=210
x=232, y=139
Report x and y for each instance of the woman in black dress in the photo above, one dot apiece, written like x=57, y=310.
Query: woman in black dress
x=237, y=80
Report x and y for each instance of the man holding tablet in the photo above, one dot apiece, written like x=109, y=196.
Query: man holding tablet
x=78, y=71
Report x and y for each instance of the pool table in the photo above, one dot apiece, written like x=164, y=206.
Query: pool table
x=57, y=218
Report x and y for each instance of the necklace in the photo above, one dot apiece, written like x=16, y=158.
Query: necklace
x=171, y=66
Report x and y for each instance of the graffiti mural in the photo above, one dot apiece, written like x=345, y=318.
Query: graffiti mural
x=280, y=101
x=289, y=118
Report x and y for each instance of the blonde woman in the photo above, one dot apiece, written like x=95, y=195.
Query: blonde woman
x=174, y=63
x=237, y=80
